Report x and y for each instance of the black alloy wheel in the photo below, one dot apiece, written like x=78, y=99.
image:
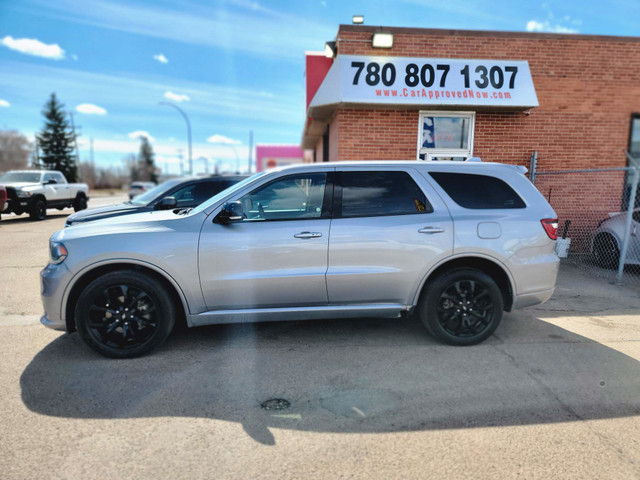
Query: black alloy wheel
x=124, y=314
x=462, y=307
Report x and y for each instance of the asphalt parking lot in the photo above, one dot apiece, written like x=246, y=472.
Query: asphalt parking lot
x=554, y=394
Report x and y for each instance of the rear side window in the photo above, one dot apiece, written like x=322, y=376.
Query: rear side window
x=478, y=191
x=366, y=194
x=206, y=190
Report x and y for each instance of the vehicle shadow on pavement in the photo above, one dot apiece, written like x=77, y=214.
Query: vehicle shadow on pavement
x=343, y=376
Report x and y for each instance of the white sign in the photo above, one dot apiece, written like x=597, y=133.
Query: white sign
x=427, y=81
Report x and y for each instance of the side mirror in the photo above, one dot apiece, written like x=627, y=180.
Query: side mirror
x=231, y=212
x=167, y=203
x=50, y=182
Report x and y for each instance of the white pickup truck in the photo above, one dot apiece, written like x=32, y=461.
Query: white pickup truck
x=33, y=191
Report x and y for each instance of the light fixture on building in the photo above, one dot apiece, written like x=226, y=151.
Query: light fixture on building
x=357, y=19
x=330, y=49
x=382, y=40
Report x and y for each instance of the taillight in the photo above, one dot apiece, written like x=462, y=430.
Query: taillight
x=550, y=226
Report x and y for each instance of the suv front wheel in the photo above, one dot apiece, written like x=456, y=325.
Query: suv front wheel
x=124, y=314
x=461, y=307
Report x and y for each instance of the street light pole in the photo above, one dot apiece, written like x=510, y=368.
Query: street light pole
x=186, y=119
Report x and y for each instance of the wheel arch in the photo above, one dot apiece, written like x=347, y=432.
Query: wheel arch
x=497, y=271
x=90, y=273
x=36, y=197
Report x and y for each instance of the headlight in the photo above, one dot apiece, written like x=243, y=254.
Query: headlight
x=22, y=193
x=57, y=252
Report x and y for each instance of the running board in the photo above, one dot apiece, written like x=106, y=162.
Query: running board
x=251, y=315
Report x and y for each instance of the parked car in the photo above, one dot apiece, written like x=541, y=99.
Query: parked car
x=34, y=191
x=607, y=241
x=339, y=240
x=3, y=198
x=138, y=188
x=177, y=193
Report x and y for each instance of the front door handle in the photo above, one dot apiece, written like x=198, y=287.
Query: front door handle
x=431, y=230
x=308, y=235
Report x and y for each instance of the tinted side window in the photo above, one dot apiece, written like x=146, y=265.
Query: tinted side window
x=206, y=190
x=478, y=191
x=288, y=198
x=381, y=193
x=185, y=196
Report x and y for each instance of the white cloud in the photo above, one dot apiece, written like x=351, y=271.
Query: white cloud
x=32, y=46
x=91, y=109
x=176, y=97
x=4, y=103
x=547, y=26
x=141, y=133
x=222, y=139
x=161, y=58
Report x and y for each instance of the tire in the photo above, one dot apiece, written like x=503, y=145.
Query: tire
x=606, y=251
x=38, y=209
x=461, y=307
x=105, y=325
x=80, y=203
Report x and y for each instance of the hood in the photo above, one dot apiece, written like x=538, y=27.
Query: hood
x=21, y=184
x=149, y=222
x=103, y=212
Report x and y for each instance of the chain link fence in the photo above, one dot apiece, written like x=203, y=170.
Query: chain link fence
x=598, y=219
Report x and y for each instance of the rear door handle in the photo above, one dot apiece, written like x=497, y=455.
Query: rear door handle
x=431, y=230
x=308, y=235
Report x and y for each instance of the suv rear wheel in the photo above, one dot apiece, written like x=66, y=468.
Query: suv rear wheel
x=124, y=314
x=461, y=307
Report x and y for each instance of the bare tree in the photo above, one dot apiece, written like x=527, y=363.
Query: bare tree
x=15, y=150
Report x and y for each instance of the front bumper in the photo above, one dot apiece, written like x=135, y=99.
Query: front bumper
x=54, y=280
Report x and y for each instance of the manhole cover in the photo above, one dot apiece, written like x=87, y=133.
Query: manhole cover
x=275, y=404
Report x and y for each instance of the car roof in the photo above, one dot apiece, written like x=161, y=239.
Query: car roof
x=448, y=166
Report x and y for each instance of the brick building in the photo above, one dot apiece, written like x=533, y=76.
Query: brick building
x=579, y=106
x=430, y=94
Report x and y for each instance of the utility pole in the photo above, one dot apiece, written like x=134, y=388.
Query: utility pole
x=181, y=165
x=91, y=151
x=250, y=151
x=75, y=137
x=186, y=119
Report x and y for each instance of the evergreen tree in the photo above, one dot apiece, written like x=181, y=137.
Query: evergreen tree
x=147, y=166
x=56, y=141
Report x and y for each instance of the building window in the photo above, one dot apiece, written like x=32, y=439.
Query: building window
x=634, y=137
x=445, y=135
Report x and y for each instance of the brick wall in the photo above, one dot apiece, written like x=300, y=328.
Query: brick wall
x=587, y=88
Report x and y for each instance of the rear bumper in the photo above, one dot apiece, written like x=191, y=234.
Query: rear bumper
x=535, y=298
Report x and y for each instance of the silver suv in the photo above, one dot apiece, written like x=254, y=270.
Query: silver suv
x=455, y=243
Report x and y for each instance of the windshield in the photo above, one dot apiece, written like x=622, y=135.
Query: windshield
x=149, y=196
x=216, y=198
x=15, y=177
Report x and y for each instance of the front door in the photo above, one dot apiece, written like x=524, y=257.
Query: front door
x=276, y=256
x=389, y=228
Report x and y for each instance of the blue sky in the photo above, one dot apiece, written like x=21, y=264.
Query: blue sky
x=233, y=66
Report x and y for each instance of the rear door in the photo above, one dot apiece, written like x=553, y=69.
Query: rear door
x=389, y=227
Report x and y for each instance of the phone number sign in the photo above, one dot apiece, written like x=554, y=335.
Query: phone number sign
x=436, y=81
